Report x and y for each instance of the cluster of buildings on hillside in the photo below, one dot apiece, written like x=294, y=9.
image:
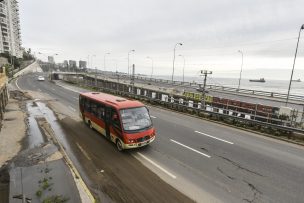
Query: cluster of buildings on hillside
x=10, y=36
x=68, y=65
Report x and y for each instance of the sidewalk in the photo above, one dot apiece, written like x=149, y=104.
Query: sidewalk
x=12, y=132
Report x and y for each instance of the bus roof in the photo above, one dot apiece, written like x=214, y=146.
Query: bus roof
x=118, y=102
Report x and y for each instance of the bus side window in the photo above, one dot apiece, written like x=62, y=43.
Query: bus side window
x=115, y=119
x=100, y=111
x=87, y=106
x=107, y=114
x=94, y=108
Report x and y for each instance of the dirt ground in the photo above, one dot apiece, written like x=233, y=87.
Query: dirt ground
x=118, y=175
x=12, y=134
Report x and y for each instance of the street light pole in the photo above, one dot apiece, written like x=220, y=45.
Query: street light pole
x=116, y=64
x=129, y=60
x=183, y=67
x=95, y=69
x=148, y=57
x=104, y=61
x=174, y=58
x=88, y=64
x=294, y=61
x=241, y=70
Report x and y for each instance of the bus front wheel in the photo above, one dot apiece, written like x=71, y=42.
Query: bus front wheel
x=119, y=145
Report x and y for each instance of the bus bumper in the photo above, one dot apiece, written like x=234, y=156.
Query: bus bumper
x=139, y=144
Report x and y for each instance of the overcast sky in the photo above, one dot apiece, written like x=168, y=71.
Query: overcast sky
x=211, y=31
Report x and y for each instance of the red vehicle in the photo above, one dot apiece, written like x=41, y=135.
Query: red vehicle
x=125, y=122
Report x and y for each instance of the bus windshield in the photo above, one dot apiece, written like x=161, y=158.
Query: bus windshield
x=135, y=118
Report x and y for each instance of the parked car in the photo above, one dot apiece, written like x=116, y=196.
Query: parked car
x=41, y=78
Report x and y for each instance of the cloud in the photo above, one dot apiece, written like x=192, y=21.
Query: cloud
x=209, y=29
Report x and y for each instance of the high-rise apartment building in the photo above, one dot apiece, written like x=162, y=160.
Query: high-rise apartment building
x=82, y=64
x=72, y=64
x=51, y=59
x=10, y=37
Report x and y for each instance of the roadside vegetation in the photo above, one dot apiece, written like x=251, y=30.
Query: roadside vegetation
x=15, y=64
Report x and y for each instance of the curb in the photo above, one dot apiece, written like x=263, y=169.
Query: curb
x=74, y=170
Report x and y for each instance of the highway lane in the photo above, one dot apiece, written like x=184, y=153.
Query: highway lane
x=242, y=166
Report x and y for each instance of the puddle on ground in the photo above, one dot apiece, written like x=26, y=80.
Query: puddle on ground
x=35, y=137
x=39, y=109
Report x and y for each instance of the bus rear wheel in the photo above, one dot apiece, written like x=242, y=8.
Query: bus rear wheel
x=119, y=145
x=90, y=124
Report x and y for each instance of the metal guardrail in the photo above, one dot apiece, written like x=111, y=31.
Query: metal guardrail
x=273, y=95
x=226, y=89
x=255, y=92
x=181, y=103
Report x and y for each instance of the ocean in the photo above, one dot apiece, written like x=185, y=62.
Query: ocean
x=279, y=86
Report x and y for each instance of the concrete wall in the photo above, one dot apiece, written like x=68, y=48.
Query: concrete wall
x=3, y=61
x=3, y=93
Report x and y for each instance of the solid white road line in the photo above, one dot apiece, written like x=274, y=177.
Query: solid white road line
x=65, y=87
x=16, y=82
x=72, y=108
x=158, y=166
x=214, y=137
x=152, y=116
x=84, y=152
x=206, y=155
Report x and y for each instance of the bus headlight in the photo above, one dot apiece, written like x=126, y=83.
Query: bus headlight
x=131, y=141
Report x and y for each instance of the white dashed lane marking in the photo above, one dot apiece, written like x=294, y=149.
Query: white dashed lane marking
x=176, y=142
x=214, y=137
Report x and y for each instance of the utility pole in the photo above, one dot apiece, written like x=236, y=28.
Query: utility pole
x=294, y=62
x=204, y=73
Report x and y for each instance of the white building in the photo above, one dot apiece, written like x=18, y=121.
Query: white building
x=10, y=37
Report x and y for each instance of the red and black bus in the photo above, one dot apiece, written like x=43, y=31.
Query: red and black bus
x=125, y=122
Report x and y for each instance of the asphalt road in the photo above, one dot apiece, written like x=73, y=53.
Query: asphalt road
x=208, y=161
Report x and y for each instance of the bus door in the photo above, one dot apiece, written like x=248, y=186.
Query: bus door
x=108, y=122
